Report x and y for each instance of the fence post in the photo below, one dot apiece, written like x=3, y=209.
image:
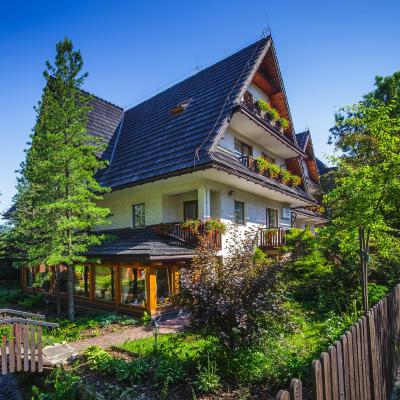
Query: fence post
x=317, y=380
x=283, y=395
x=373, y=356
x=296, y=389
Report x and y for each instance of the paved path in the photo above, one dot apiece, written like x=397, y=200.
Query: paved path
x=59, y=354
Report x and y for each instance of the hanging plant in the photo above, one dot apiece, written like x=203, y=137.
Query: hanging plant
x=285, y=176
x=191, y=225
x=295, y=180
x=273, y=170
x=213, y=225
x=284, y=123
x=262, y=165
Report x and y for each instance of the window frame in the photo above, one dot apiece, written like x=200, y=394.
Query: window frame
x=134, y=224
x=267, y=219
x=190, y=202
x=242, y=206
x=242, y=146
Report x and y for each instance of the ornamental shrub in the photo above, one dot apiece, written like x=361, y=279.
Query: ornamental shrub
x=231, y=299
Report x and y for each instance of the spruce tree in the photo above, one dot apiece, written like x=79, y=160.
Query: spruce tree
x=57, y=191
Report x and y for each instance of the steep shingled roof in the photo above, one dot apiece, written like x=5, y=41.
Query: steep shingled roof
x=103, y=122
x=153, y=141
x=302, y=138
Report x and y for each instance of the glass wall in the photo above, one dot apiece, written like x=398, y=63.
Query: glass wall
x=104, y=283
x=82, y=281
x=133, y=286
x=163, y=282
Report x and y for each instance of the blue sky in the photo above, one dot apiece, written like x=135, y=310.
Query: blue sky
x=329, y=53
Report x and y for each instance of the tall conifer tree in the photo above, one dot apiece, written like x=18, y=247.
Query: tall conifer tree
x=57, y=191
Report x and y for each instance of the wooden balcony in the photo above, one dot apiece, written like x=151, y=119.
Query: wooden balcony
x=271, y=238
x=175, y=230
x=251, y=104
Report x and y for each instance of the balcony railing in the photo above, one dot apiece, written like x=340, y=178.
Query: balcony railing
x=251, y=164
x=251, y=104
x=271, y=238
x=214, y=238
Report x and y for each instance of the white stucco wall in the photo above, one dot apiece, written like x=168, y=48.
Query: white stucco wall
x=257, y=92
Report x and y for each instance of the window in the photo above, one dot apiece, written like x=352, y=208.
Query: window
x=82, y=280
x=139, y=215
x=133, y=286
x=243, y=149
x=104, y=283
x=29, y=278
x=239, y=212
x=267, y=157
x=272, y=218
x=163, y=283
x=190, y=210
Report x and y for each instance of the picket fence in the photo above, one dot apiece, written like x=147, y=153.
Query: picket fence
x=23, y=349
x=363, y=364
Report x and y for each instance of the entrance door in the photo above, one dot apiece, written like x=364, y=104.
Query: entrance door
x=190, y=210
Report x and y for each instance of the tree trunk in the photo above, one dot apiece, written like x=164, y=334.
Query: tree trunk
x=58, y=295
x=71, y=291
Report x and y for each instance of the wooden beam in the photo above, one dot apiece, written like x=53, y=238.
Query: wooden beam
x=151, y=290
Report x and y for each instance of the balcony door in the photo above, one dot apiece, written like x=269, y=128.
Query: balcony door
x=190, y=210
x=271, y=218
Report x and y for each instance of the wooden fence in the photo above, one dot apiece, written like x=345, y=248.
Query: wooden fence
x=22, y=348
x=363, y=364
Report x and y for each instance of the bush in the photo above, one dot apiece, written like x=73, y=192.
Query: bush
x=60, y=385
x=230, y=299
x=32, y=301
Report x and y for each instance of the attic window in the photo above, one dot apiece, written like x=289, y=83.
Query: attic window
x=180, y=107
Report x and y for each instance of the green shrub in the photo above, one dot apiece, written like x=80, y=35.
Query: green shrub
x=284, y=123
x=32, y=301
x=376, y=292
x=207, y=380
x=146, y=318
x=168, y=371
x=60, y=385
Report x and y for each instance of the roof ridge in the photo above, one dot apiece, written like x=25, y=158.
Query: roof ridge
x=266, y=38
x=102, y=99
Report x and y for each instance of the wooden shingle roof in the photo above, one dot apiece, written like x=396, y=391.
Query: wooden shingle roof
x=154, y=141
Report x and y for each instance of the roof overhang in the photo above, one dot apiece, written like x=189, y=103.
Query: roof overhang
x=257, y=130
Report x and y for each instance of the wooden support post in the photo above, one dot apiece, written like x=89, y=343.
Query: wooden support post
x=151, y=290
x=117, y=282
x=91, y=282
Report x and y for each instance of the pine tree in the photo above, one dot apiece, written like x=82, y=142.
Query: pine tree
x=57, y=192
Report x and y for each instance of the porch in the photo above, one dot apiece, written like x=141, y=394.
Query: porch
x=137, y=270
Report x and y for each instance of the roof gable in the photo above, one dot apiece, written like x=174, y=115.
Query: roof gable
x=153, y=141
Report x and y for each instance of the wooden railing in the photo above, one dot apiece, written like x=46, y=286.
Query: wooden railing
x=271, y=238
x=251, y=104
x=176, y=230
x=22, y=348
x=363, y=364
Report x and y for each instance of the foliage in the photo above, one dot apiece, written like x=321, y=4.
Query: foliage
x=285, y=176
x=262, y=164
x=57, y=191
x=366, y=192
x=271, y=112
x=146, y=318
x=32, y=301
x=284, y=123
x=273, y=170
x=191, y=225
x=60, y=385
x=232, y=298
x=295, y=180
x=207, y=379
x=213, y=225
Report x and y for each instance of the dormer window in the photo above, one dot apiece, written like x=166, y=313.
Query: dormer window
x=181, y=107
